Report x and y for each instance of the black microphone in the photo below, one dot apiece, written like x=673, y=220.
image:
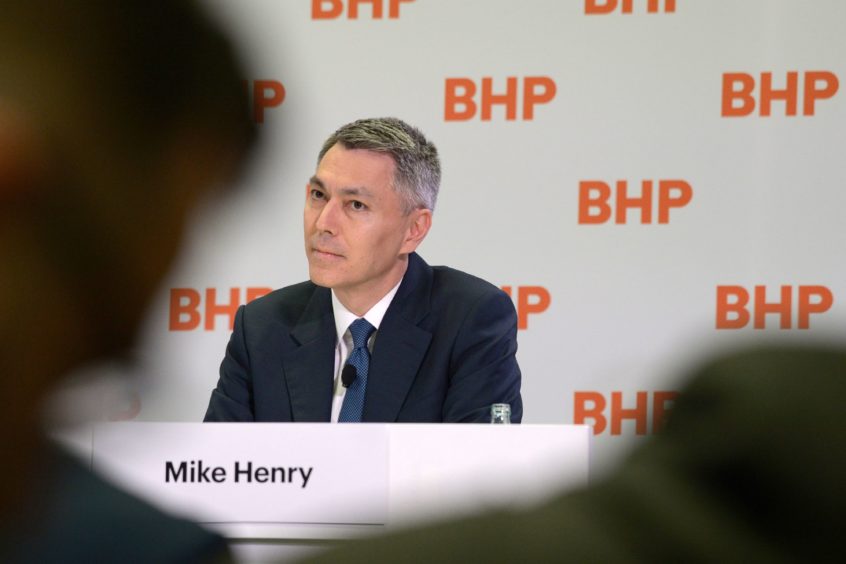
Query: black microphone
x=348, y=375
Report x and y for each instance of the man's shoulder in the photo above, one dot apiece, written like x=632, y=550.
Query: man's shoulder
x=293, y=295
x=455, y=284
x=454, y=293
x=285, y=304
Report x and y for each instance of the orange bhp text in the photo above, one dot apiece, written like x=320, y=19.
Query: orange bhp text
x=266, y=94
x=602, y=7
x=461, y=104
x=739, y=93
x=187, y=312
x=530, y=300
x=590, y=407
x=595, y=200
x=334, y=9
x=735, y=312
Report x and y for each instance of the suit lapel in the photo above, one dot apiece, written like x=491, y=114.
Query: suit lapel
x=309, y=367
x=400, y=345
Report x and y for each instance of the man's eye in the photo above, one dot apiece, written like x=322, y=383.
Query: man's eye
x=358, y=206
x=316, y=194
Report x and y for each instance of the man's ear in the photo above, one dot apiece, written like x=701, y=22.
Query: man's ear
x=420, y=221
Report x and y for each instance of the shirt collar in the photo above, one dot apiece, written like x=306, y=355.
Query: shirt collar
x=343, y=316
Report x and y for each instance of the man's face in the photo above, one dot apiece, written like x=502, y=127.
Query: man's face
x=357, y=236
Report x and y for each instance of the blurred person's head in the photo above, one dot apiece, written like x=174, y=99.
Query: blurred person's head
x=116, y=119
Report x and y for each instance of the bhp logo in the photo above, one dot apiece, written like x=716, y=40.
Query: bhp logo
x=187, y=310
x=595, y=200
x=593, y=406
x=461, y=103
x=334, y=9
x=600, y=7
x=733, y=307
x=739, y=91
x=530, y=300
x=265, y=94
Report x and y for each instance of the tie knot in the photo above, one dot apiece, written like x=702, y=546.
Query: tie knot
x=360, y=329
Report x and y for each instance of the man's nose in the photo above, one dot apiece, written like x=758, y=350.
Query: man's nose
x=327, y=219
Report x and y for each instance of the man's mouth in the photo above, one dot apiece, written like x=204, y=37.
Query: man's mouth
x=323, y=253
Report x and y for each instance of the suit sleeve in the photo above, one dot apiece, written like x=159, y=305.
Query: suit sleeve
x=483, y=364
x=232, y=399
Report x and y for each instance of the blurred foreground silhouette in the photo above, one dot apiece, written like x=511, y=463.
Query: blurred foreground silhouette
x=748, y=469
x=116, y=119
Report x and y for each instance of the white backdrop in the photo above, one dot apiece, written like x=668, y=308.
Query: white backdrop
x=638, y=96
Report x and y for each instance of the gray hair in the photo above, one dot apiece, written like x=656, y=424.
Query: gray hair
x=418, y=169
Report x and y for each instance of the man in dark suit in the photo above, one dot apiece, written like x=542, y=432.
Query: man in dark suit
x=427, y=344
x=749, y=468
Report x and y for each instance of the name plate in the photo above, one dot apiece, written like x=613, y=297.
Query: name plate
x=217, y=473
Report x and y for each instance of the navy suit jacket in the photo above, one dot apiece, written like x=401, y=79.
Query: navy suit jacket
x=444, y=352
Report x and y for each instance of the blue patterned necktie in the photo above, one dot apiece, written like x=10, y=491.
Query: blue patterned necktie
x=353, y=406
